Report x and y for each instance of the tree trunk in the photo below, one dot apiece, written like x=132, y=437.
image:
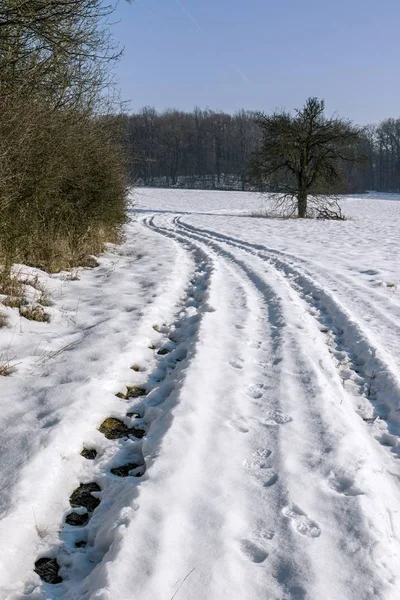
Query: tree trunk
x=302, y=204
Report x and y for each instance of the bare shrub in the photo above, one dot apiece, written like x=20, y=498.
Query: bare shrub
x=62, y=177
x=10, y=285
x=14, y=301
x=70, y=198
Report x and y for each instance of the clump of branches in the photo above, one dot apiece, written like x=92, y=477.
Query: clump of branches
x=285, y=206
x=301, y=159
x=62, y=177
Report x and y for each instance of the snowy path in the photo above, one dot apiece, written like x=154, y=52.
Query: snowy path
x=269, y=463
x=309, y=475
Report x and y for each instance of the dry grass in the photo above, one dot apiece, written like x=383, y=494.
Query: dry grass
x=15, y=301
x=3, y=320
x=34, y=282
x=132, y=391
x=34, y=313
x=13, y=286
x=89, y=262
x=5, y=367
x=10, y=285
x=5, y=370
x=45, y=298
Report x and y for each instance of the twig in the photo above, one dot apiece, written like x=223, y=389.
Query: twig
x=187, y=576
x=42, y=533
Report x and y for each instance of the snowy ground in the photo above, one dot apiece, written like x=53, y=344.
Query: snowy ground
x=269, y=466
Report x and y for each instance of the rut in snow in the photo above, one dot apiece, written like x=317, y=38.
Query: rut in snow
x=361, y=366
x=337, y=478
x=80, y=553
x=273, y=417
x=306, y=510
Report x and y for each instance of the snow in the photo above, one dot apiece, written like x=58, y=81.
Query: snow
x=269, y=467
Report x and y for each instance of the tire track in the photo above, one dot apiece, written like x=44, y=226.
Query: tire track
x=355, y=357
x=290, y=539
x=289, y=260
x=288, y=352
x=266, y=523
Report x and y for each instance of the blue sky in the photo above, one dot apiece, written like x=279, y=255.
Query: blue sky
x=261, y=54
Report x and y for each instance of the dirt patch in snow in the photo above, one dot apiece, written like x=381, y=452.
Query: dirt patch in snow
x=47, y=569
x=89, y=453
x=77, y=520
x=133, y=391
x=115, y=429
x=82, y=496
x=124, y=470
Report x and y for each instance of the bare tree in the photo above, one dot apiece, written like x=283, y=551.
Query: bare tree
x=300, y=155
x=58, y=50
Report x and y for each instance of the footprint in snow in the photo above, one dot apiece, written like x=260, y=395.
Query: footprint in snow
x=255, y=391
x=270, y=479
x=301, y=522
x=343, y=483
x=262, y=453
x=239, y=426
x=253, y=552
x=263, y=535
x=236, y=363
x=47, y=569
x=254, y=464
x=258, y=464
x=89, y=453
x=277, y=417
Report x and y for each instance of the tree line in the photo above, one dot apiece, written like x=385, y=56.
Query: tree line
x=203, y=148
x=62, y=177
x=211, y=149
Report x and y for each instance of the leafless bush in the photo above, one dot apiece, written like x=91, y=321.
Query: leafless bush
x=14, y=301
x=326, y=208
x=62, y=181
x=68, y=197
x=10, y=285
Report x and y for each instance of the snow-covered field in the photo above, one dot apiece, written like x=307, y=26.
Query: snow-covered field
x=264, y=451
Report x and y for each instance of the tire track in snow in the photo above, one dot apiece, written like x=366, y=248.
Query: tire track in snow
x=391, y=325
x=232, y=572
x=370, y=369
x=350, y=515
x=264, y=525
